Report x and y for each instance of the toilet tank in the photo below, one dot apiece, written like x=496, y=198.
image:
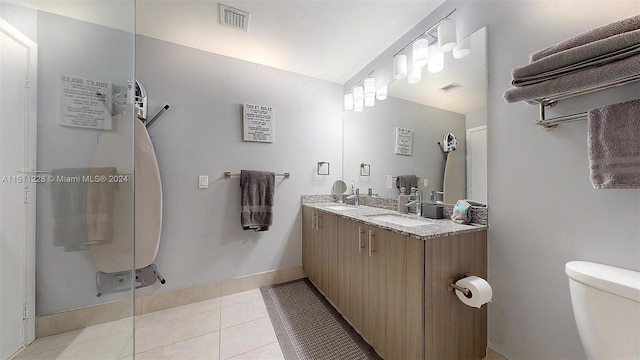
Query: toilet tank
x=606, y=306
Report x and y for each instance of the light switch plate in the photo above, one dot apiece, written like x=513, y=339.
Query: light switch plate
x=388, y=180
x=425, y=182
x=203, y=182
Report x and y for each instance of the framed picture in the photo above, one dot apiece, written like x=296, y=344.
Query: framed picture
x=258, y=123
x=404, y=139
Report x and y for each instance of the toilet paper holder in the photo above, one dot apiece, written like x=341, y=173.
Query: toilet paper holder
x=452, y=286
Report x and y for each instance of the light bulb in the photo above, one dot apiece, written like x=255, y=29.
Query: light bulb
x=436, y=62
x=369, y=100
x=381, y=94
x=358, y=106
x=399, y=66
x=420, y=53
x=462, y=49
x=415, y=76
x=447, y=35
x=358, y=93
x=369, y=86
x=348, y=101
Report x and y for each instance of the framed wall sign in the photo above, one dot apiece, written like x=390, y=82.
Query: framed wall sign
x=403, y=141
x=258, y=123
x=84, y=103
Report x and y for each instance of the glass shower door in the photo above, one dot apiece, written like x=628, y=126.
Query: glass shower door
x=79, y=183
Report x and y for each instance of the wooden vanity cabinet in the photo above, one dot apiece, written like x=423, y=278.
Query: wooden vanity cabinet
x=392, y=288
x=380, y=288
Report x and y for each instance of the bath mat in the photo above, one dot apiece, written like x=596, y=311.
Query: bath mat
x=308, y=327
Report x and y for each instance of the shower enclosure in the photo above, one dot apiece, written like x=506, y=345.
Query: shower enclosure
x=67, y=179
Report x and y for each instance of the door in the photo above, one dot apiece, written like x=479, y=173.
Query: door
x=477, y=164
x=17, y=192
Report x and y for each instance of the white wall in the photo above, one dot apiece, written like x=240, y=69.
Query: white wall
x=201, y=134
x=369, y=137
x=543, y=210
x=476, y=119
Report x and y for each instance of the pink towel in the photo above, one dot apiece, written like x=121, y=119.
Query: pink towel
x=614, y=146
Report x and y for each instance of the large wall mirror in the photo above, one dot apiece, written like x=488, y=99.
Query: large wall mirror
x=453, y=100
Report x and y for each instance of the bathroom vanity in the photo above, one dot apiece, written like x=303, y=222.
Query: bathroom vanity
x=388, y=276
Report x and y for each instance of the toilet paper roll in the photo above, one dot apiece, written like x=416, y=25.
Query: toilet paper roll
x=481, y=292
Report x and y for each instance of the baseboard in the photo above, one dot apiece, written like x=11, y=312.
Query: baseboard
x=492, y=355
x=92, y=315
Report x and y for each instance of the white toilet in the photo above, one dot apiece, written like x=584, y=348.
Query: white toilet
x=606, y=305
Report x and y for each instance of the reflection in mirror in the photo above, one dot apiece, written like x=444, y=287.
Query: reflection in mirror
x=450, y=101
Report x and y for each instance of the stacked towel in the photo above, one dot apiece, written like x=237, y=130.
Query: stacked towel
x=619, y=27
x=614, y=146
x=600, y=56
x=256, y=199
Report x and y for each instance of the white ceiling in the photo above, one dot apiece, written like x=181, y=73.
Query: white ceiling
x=470, y=72
x=329, y=40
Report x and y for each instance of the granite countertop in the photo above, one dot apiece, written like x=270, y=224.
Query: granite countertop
x=366, y=215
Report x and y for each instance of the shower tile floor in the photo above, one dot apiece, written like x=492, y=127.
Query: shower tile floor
x=231, y=327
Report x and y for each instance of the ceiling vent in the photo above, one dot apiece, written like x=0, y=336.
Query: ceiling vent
x=234, y=18
x=451, y=87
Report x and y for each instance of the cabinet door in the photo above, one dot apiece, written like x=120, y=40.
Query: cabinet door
x=375, y=300
x=308, y=232
x=352, y=271
x=326, y=245
x=404, y=280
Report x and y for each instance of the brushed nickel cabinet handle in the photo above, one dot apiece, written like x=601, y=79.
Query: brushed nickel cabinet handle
x=371, y=250
x=360, y=246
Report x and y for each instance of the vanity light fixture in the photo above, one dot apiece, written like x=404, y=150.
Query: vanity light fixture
x=423, y=54
x=363, y=94
x=415, y=75
x=463, y=48
x=420, y=53
x=348, y=101
x=447, y=35
x=381, y=94
x=399, y=66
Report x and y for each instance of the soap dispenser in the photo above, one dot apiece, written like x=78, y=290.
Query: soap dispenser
x=403, y=199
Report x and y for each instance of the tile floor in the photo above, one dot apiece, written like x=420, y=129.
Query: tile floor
x=231, y=327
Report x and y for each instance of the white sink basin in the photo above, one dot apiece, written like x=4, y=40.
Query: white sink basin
x=401, y=220
x=341, y=207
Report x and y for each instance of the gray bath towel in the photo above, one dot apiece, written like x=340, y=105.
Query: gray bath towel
x=581, y=80
x=625, y=25
x=69, y=201
x=590, y=55
x=257, y=199
x=407, y=182
x=614, y=146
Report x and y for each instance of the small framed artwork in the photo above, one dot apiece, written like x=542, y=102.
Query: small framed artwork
x=258, y=123
x=404, y=138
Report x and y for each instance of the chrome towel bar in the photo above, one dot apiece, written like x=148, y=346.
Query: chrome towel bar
x=228, y=174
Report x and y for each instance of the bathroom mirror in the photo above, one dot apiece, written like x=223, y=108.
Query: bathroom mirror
x=453, y=100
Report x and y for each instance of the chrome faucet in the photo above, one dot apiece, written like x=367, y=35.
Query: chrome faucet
x=434, y=194
x=356, y=196
x=417, y=202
